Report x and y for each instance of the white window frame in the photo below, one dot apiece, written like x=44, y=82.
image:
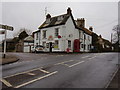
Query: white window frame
x=56, y=32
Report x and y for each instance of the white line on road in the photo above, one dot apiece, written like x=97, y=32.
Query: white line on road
x=35, y=79
x=6, y=82
x=32, y=74
x=76, y=63
x=64, y=62
x=21, y=72
x=91, y=57
x=85, y=56
x=44, y=71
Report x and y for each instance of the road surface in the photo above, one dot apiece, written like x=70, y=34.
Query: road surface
x=89, y=70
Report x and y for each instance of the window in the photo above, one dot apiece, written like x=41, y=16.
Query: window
x=56, y=45
x=56, y=32
x=60, y=18
x=69, y=44
x=79, y=34
x=84, y=36
x=37, y=36
x=44, y=44
x=36, y=44
x=88, y=47
x=82, y=46
x=89, y=38
x=44, y=34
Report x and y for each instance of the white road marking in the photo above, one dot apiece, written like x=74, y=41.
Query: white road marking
x=91, y=57
x=35, y=79
x=6, y=82
x=21, y=72
x=64, y=62
x=85, y=57
x=44, y=71
x=31, y=74
x=76, y=63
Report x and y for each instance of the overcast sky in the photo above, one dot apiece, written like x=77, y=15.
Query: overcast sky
x=101, y=15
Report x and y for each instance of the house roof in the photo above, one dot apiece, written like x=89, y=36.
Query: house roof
x=29, y=39
x=54, y=21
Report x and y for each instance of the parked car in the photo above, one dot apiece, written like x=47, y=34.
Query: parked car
x=38, y=48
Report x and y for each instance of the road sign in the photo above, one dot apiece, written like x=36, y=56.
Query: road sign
x=5, y=32
x=2, y=31
x=6, y=27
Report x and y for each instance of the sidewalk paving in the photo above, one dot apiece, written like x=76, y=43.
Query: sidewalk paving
x=8, y=59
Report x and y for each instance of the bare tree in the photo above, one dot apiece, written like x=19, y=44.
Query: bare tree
x=116, y=37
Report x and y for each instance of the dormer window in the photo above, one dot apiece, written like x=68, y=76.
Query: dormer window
x=60, y=18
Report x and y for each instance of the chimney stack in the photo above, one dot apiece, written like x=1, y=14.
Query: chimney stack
x=48, y=16
x=91, y=28
x=81, y=22
x=69, y=11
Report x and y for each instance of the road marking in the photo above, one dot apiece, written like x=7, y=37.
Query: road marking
x=6, y=82
x=76, y=63
x=31, y=74
x=64, y=62
x=35, y=79
x=91, y=57
x=21, y=73
x=85, y=57
x=59, y=55
x=44, y=71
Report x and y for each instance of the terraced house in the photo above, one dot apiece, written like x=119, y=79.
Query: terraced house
x=62, y=33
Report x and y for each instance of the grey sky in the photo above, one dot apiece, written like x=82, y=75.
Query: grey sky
x=101, y=15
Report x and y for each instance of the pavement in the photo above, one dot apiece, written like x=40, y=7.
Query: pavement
x=89, y=70
x=9, y=58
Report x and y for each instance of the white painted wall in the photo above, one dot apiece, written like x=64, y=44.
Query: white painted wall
x=64, y=31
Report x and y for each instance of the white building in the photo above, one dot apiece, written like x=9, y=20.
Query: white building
x=62, y=33
x=28, y=44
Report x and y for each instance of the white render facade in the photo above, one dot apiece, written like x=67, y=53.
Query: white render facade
x=63, y=38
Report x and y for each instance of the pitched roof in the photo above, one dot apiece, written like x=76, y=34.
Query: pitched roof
x=29, y=39
x=54, y=21
x=87, y=31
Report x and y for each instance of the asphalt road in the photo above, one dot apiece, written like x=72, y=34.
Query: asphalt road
x=89, y=70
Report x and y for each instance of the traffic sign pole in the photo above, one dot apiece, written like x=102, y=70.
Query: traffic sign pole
x=4, y=54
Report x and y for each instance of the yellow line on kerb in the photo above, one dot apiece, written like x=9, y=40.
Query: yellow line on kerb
x=6, y=82
x=35, y=79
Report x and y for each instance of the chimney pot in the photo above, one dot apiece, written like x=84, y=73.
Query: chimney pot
x=91, y=28
x=48, y=16
x=69, y=10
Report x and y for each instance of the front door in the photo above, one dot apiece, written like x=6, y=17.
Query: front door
x=50, y=47
x=76, y=45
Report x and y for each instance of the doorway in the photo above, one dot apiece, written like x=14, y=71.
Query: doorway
x=50, y=46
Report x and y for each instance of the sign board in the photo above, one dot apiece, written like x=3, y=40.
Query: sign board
x=6, y=27
x=50, y=38
x=2, y=31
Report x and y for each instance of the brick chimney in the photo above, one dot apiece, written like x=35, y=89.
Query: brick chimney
x=69, y=11
x=91, y=28
x=81, y=22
